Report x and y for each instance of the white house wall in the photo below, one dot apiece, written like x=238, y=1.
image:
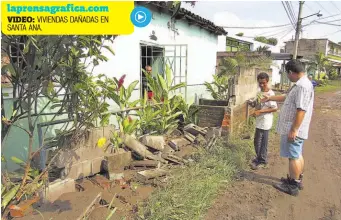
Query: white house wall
x=201, y=48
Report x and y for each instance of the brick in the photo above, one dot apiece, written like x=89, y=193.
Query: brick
x=57, y=188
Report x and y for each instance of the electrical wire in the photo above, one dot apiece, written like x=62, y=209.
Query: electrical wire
x=306, y=4
x=293, y=17
x=278, y=33
x=286, y=34
x=335, y=6
x=264, y=27
x=272, y=31
x=331, y=16
x=331, y=33
x=323, y=8
x=286, y=10
x=293, y=9
x=315, y=22
x=326, y=23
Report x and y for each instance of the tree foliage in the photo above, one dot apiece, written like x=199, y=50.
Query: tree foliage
x=271, y=41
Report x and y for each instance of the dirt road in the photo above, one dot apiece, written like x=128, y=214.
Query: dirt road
x=253, y=197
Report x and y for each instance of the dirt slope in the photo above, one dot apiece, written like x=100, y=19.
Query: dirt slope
x=253, y=197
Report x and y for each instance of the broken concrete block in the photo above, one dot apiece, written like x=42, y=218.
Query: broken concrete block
x=117, y=161
x=195, y=130
x=133, y=144
x=189, y=137
x=176, y=144
x=56, y=189
x=168, y=149
x=155, y=142
x=85, y=149
x=145, y=164
x=146, y=175
x=83, y=169
x=174, y=159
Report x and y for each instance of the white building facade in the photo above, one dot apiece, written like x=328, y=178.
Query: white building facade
x=188, y=45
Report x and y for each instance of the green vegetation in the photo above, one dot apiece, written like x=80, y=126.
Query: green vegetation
x=322, y=65
x=331, y=86
x=191, y=190
x=229, y=67
x=271, y=41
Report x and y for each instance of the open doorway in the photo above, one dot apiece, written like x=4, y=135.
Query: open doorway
x=152, y=61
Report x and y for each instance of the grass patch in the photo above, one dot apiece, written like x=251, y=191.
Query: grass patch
x=330, y=87
x=191, y=190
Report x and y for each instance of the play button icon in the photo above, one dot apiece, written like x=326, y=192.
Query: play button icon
x=141, y=16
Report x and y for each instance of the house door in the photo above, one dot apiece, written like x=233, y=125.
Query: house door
x=160, y=56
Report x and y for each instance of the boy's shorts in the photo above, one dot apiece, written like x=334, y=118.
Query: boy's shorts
x=289, y=149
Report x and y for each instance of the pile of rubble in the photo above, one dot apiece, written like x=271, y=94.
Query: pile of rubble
x=156, y=152
x=150, y=156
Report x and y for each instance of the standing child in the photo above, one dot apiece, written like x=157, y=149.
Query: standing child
x=264, y=120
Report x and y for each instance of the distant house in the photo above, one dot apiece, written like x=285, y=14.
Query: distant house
x=187, y=44
x=309, y=47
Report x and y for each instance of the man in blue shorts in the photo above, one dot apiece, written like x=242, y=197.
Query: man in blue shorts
x=293, y=124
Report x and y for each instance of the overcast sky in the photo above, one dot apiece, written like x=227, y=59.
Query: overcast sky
x=269, y=13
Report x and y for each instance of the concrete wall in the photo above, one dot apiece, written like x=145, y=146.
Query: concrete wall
x=308, y=47
x=246, y=85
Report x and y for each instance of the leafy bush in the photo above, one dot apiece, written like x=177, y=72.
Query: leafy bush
x=219, y=87
x=333, y=74
x=163, y=114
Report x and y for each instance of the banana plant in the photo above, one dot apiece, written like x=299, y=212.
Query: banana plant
x=149, y=116
x=188, y=110
x=164, y=90
x=219, y=87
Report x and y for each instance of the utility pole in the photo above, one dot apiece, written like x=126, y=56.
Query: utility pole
x=298, y=29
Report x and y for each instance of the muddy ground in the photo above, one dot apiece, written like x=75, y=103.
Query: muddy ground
x=253, y=196
x=128, y=196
